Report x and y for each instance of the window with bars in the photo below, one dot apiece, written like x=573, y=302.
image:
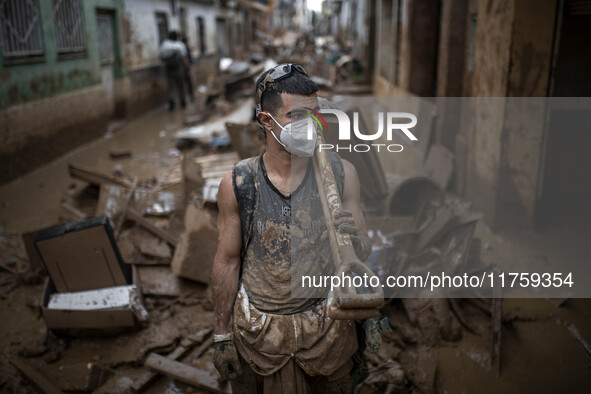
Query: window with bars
x=20, y=25
x=69, y=26
x=161, y=26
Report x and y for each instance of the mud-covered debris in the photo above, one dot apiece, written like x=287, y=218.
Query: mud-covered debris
x=160, y=281
x=135, y=216
x=33, y=350
x=439, y=165
x=75, y=212
x=149, y=377
x=247, y=138
x=79, y=377
x=119, y=153
x=434, y=318
x=38, y=380
x=183, y=373
x=113, y=201
x=90, y=175
x=151, y=245
x=386, y=376
x=193, y=258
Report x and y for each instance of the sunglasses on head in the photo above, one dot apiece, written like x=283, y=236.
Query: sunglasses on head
x=276, y=74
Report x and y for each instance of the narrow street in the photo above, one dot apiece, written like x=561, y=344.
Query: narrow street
x=111, y=172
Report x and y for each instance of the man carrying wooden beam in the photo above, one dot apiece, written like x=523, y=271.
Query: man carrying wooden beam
x=267, y=339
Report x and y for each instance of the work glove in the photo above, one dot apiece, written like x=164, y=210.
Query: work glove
x=225, y=359
x=345, y=223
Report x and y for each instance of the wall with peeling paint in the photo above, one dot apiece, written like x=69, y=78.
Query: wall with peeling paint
x=50, y=106
x=501, y=152
x=140, y=31
x=147, y=85
x=51, y=75
x=513, y=53
x=529, y=71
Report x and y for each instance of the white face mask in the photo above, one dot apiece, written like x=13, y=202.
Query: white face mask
x=294, y=137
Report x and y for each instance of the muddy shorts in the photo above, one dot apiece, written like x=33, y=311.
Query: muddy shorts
x=312, y=341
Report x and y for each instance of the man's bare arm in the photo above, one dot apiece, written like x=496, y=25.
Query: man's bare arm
x=352, y=203
x=226, y=266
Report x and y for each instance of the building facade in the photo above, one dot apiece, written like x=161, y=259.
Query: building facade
x=69, y=67
x=61, y=75
x=499, y=48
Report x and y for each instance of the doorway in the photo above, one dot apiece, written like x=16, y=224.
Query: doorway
x=222, y=37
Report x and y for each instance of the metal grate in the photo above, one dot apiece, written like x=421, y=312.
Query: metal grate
x=69, y=27
x=105, y=36
x=21, y=28
x=161, y=26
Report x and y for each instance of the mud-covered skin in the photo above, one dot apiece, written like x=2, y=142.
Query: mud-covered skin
x=282, y=237
x=226, y=361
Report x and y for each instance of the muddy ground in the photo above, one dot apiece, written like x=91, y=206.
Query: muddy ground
x=539, y=353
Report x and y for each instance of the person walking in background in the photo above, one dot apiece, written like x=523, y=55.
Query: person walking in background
x=188, y=80
x=173, y=54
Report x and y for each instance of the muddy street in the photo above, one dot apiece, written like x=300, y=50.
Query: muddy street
x=538, y=349
x=353, y=196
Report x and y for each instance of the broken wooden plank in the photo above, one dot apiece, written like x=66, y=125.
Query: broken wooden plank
x=135, y=216
x=182, y=372
x=148, y=378
x=91, y=176
x=39, y=381
x=204, y=346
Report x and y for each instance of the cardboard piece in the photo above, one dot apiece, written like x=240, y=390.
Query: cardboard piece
x=193, y=257
x=29, y=242
x=82, y=256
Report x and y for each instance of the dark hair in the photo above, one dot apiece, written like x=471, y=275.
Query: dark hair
x=173, y=35
x=296, y=83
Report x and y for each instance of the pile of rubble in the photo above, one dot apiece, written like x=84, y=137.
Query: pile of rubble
x=150, y=244
x=137, y=251
x=131, y=253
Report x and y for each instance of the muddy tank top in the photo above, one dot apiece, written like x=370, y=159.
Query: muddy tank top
x=282, y=237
